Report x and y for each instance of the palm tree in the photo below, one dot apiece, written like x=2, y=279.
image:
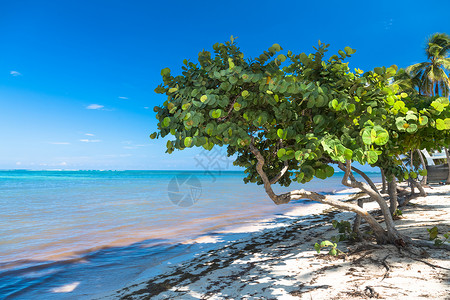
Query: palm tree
x=429, y=78
x=408, y=84
x=431, y=75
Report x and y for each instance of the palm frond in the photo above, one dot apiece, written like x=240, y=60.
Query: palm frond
x=444, y=86
x=413, y=70
x=444, y=62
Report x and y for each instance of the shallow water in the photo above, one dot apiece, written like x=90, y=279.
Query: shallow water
x=116, y=220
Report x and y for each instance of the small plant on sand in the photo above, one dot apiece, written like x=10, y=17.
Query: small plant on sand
x=345, y=231
x=325, y=244
x=397, y=214
x=433, y=232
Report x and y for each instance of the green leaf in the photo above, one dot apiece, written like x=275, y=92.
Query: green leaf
x=165, y=72
x=281, y=57
x=317, y=247
x=216, y=113
x=411, y=128
x=367, y=136
x=411, y=117
x=233, y=80
x=281, y=134
x=433, y=232
x=334, y=103
x=382, y=137
x=372, y=157
x=440, y=124
x=423, y=172
x=350, y=108
x=398, y=105
x=237, y=106
x=400, y=123
x=230, y=63
x=320, y=173
x=333, y=252
x=378, y=70
x=203, y=98
x=172, y=90
x=318, y=119
x=348, y=154
x=329, y=170
x=349, y=50
x=245, y=93
x=166, y=122
x=187, y=141
x=326, y=244
x=281, y=152
x=298, y=155
x=153, y=135
x=423, y=120
x=358, y=155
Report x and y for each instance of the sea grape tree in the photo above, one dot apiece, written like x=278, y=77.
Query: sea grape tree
x=290, y=117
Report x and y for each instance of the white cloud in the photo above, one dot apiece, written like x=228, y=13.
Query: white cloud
x=89, y=141
x=124, y=98
x=146, y=107
x=94, y=106
x=131, y=145
x=117, y=155
x=18, y=163
x=15, y=73
x=59, y=143
x=89, y=134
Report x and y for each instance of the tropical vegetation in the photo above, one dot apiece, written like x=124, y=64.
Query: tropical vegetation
x=286, y=118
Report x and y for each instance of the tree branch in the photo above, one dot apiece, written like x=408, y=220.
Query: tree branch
x=229, y=110
x=279, y=175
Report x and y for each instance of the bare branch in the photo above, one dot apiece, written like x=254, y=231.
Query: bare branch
x=279, y=175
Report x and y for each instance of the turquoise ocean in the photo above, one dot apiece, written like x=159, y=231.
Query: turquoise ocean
x=74, y=234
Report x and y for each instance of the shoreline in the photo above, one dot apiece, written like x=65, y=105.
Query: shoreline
x=280, y=261
x=55, y=277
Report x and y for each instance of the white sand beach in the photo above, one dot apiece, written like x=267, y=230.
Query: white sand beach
x=280, y=262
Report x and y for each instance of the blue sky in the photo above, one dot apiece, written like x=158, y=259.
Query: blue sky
x=77, y=77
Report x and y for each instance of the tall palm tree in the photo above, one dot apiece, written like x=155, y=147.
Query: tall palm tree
x=431, y=75
x=429, y=78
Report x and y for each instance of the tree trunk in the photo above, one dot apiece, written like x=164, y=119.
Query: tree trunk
x=357, y=221
x=422, y=192
x=366, y=178
x=393, y=200
x=412, y=169
x=413, y=182
x=392, y=235
x=382, y=236
x=448, y=163
x=383, y=179
x=424, y=167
